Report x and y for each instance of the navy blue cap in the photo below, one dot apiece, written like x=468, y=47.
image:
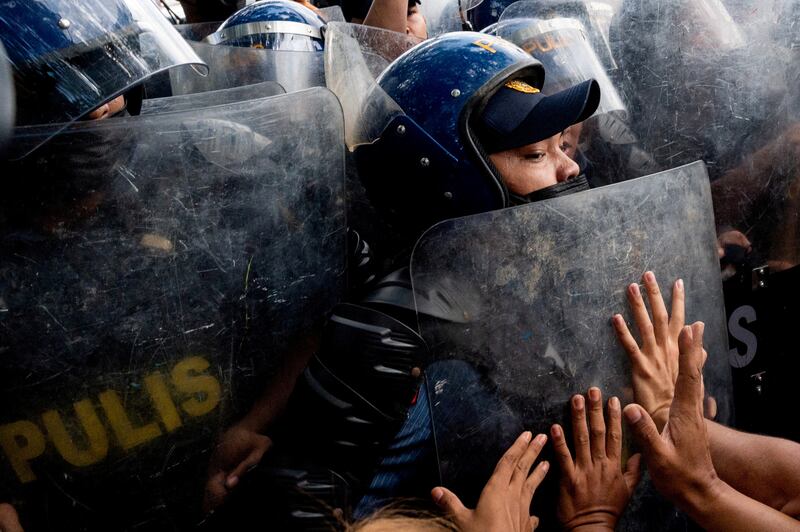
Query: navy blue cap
x=518, y=114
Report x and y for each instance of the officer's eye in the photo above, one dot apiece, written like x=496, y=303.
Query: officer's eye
x=536, y=156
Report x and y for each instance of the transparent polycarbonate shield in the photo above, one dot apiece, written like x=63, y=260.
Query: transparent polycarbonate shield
x=332, y=14
x=354, y=56
x=529, y=293
x=732, y=102
x=8, y=102
x=154, y=273
x=187, y=102
x=729, y=96
x=562, y=45
x=197, y=31
x=444, y=16
x=98, y=51
x=594, y=16
x=233, y=66
x=696, y=87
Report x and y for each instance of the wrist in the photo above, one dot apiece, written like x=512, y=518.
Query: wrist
x=591, y=528
x=594, y=520
x=703, y=498
x=251, y=424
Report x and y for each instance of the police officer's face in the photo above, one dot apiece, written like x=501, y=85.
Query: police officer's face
x=107, y=109
x=415, y=23
x=535, y=166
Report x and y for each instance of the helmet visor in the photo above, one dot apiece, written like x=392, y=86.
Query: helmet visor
x=70, y=58
x=562, y=46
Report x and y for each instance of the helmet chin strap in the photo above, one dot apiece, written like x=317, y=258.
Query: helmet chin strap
x=565, y=188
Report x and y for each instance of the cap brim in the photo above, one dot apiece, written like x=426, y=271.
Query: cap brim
x=550, y=115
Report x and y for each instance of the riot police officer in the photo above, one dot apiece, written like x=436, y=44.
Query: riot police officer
x=279, y=41
x=272, y=25
x=475, y=134
x=91, y=220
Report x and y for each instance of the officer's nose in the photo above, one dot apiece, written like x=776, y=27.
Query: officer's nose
x=99, y=113
x=567, y=168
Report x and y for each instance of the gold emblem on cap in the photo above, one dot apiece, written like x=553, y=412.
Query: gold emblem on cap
x=520, y=86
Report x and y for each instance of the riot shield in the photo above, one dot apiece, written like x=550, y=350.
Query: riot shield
x=526, y=297
x=154, y=272
x=444, y=16
x=354, y=57
x=332, y=14
x=705, y=84
x=696, y=86
x=233, y=66
x=187, y=102
x=8, y=103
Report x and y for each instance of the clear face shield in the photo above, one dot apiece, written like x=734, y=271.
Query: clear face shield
x=563, y=47
x=297, y=66
x=594, y=16
x=100, y=51
x=444, y=16
x=354, y=57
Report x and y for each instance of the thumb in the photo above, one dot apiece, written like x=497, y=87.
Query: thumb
x=450, y=503
x=633, y=471
x=252, y=459
x=215, y=492
x=643, y=427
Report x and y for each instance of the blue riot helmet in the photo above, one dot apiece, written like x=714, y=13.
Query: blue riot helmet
x=272, y=25
x=68, y=58
x=431, y=161
x=271, y=40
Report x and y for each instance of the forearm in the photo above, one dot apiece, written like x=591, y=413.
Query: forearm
x=722, y=508
x=272, y=402
x=388, y=14
x=764, y=468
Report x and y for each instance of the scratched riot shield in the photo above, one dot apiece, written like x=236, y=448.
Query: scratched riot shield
x=528, y=294
x=233, y=66
x=187, y=102
x=332, y=14
x=7, y=106
x=155, y=272
x=698, y=86
x=719, y=82
x=355, y=55
x=443, y=16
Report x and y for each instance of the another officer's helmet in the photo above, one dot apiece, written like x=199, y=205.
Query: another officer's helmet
x=68, y=58
x=464, y=95
x=272, y=25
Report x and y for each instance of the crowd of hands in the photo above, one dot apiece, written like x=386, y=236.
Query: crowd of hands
x=669, y=422
x=706, y=470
